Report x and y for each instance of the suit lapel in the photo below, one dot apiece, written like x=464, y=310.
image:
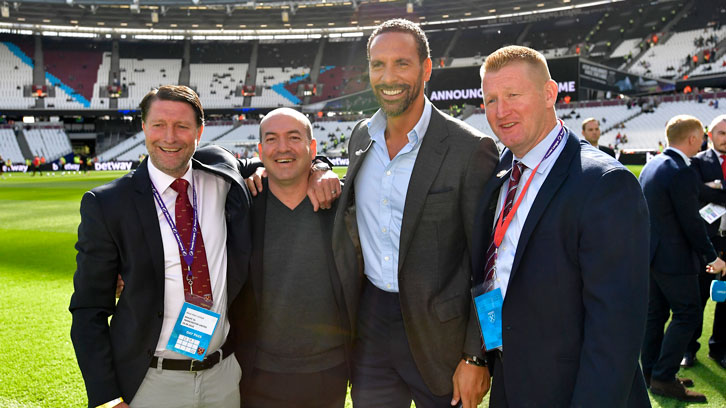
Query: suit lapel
x=714, y=166
x=148, y=220
x=429, y=160
x=555, y=178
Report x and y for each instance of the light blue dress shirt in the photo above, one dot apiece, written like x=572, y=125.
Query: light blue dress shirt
x=508, y=248
x=380, y=195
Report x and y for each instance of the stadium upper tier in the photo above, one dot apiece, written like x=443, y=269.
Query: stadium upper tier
x=267, y=71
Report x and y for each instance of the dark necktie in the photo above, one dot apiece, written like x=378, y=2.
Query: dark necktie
x=723, y=165
x=201, y=290
x=514, y=178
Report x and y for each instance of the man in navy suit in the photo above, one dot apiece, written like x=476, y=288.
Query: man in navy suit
x=709, y=165
x=572, y=263
x=678, y=246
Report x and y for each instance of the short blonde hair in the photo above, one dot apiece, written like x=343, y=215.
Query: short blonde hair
x=588, y=120
x=680, y=126
x=515, y=53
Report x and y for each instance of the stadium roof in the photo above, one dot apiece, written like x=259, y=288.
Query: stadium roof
x=259, y=17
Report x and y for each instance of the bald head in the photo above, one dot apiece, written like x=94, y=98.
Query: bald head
x=287, y=113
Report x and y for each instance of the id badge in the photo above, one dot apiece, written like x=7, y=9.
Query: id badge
x=193, y=331
x=488, y=308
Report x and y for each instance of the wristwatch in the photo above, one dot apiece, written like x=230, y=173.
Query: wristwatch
x=320, y=165
x=474, y=360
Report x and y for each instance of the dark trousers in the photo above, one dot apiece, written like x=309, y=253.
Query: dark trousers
x=662, y=352
x=717, y=342
x=323, y=389
x=384, y=372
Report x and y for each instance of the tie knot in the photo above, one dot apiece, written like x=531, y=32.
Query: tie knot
x=180, y=186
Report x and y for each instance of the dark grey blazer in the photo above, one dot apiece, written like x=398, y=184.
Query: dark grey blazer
x=120, y=234
x=434, y=270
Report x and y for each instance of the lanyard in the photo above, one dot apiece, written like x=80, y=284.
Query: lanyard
x=187, y=255
x=503, y=225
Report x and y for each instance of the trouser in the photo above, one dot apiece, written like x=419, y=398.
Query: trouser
x=662, y=352
x=217, y=387
x=717, y=342
x=384, y=372
x=322, y=389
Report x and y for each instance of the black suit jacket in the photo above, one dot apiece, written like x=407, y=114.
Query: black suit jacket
x=610, y=152
x=678, y=235
x=245, y=307
x=708, y=168
x=434, y=273
x=120, y=234
x=575, y=309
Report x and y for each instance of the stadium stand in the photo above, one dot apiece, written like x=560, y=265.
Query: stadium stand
x=272, y=81
x=49, y=142
x=125, y=145
x=216, y=83
x=16, y=74
x=673, y=56
x=142, y=75
x=9, y=148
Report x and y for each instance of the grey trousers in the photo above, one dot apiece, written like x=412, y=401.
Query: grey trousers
x=217, y=387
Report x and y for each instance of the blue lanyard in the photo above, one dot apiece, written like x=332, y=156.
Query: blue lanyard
x=187, y=255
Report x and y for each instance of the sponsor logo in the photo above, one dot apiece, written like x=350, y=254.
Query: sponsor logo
x=113, y=166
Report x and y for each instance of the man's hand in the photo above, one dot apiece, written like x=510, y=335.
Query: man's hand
x=323, y=189
x=714, y=184
x=717, y=267
x=254, y=182
x=119, y=286
x=471, y=384
x=122, y=405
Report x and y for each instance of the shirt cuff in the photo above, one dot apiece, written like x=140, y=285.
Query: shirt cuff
x=112, y=403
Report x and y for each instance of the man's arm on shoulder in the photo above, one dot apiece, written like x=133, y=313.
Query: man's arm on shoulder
x=683, y=191
x=93, y=301
x=613, y=248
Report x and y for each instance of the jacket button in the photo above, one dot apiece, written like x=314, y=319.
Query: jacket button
x=160, y=314
x=509, y=327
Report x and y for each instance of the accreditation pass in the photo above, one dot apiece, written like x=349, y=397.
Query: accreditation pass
x=193, y=331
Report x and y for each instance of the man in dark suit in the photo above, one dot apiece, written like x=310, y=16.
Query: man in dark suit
x=293, y=326
x=678, y=245
x=568, y=254
x=402, y=236
x=124, y=231
x=591, y=133
x=709, y=165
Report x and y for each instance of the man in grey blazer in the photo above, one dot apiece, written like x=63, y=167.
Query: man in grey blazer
x=402, y=237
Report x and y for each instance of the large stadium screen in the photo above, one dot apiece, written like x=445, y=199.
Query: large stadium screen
x=458, y=86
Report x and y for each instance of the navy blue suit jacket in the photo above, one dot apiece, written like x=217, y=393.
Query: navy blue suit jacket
x=708, y=168
x=120, y=234
x=575, y=308
x=678, y=235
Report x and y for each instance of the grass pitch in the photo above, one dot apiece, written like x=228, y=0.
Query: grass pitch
x=38, y=222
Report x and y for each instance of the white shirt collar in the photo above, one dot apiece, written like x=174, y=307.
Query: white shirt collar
x=377, y=124
x=685, y=158
x=161, y=180
x=533, y=157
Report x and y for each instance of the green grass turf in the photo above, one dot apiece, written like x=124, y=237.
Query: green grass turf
x=38, y=221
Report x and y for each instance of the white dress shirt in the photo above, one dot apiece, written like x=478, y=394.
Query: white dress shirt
x=508, y=247
x=211, y=196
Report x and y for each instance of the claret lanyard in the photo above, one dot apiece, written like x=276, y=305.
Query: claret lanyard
x=503, y=224
x=187, y=255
